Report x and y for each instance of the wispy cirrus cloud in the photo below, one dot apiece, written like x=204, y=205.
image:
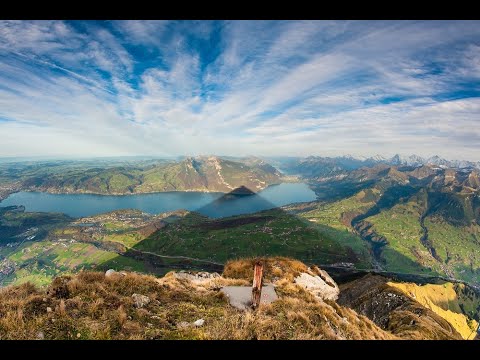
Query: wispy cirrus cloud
x=87, y=88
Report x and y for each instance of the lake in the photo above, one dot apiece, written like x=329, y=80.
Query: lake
x=210, y=204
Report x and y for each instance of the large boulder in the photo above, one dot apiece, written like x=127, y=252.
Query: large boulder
x=321, y=286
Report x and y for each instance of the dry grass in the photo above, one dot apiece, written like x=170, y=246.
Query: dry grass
x=275, y=268
x=393, y=310
x=415, y=322
x=91, y=306
x=292, y=318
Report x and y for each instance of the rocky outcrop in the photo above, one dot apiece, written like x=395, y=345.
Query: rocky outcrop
x=321, y=286
x=394, y=311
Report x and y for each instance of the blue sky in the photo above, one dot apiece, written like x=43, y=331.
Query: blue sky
x=106, y=88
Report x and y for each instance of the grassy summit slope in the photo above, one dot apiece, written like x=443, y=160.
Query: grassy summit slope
x=91, y=306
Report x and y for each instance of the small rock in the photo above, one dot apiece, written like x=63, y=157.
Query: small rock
x=183, y=325
x=40, y=335
x=197, y=277
x=49, y=309
x=140, y=300
x=199, y=322
x=78, y=335
x=109, y=273
x=44, y=299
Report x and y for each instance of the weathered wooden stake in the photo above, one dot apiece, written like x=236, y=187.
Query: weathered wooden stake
x=257, y=284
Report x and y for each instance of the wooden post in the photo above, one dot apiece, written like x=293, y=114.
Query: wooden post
x=257, y=284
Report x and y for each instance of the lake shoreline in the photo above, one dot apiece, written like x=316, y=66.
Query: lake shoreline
x=80, y=192
x=211, y=203
x=5, y=196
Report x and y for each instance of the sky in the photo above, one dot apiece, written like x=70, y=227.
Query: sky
x=299, y=88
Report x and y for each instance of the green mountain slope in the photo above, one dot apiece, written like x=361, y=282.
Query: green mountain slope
x=191, y=174
x=267, y=233
x=428, y=215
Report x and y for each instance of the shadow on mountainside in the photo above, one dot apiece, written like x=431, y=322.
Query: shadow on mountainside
x=239, y=201
x=199, y=242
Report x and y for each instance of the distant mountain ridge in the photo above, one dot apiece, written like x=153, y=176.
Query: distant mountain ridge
x=415, y=160
x=410, y=160
x=326, y=168
x=201, y=173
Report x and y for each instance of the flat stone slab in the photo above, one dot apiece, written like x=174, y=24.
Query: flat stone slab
x=240, y=297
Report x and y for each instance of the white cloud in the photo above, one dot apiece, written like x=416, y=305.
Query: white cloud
x=147, y=32
x=300, y=88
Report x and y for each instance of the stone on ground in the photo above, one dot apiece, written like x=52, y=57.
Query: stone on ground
x=199, y=322
x=109, y=272
x=197, y=277
x=140, y=300
x=322, y=287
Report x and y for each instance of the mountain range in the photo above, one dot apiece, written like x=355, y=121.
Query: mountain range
x=415, y=160
x=324, y=168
